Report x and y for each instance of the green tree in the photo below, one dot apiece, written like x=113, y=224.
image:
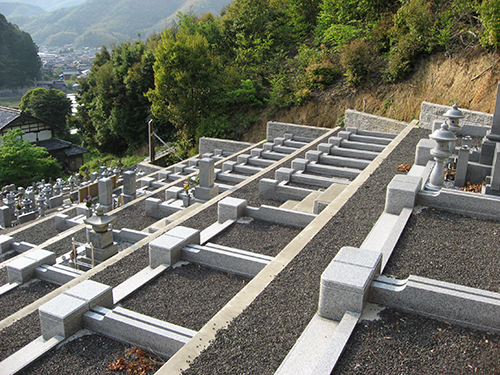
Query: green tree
x=21, y=162
x=49, y=105
x=186, y=78
x=114, y=111
x=19, y=61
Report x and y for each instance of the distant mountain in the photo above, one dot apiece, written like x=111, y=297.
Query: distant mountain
x=47, y=5
x=13, y=10
x=97, y=22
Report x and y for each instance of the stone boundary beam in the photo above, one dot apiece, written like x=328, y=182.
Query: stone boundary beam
x=463, y=305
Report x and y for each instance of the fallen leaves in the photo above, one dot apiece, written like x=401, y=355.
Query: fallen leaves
x=473, y=188
x=137, y=362
x=403, y=167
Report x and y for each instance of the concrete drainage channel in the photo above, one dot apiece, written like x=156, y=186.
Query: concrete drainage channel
x=82, y=303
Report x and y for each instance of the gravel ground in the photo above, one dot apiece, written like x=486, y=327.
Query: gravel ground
x=257, y=341
x=257, y=236
x=65, y=244
x=134, y=217
x=37, y=234
x=90, y=354
x=19, y=334
x=403, y=343
x=3, y=276
x=448, y=247
x=187, y=296
x=120, y=271
x=23, y=295
x=203, y=219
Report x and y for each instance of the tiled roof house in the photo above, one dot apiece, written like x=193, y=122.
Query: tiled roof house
x=41, y=133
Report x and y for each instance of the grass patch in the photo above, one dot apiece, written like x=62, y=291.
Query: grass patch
x=93, y=160
x=10, y=102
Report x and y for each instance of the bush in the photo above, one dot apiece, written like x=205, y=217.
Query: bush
x=321, y=74
x=489, y=12
x=358, y=60
x=411, y=36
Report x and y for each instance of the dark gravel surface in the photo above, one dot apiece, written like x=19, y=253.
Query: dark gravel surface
x=90, y=354
x=187, y=296
x=258, y=236
x=23, y=295
x=134, y=217
x=19, y=334
x=203, y=219
x=4, y=279
x=257, y=341
x=37, y=234
x=448, y=247
x=403, y=343
x=250, y=192
x=120, y=271
x=65, y=244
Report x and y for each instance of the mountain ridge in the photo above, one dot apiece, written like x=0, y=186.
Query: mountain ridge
x=97, y=22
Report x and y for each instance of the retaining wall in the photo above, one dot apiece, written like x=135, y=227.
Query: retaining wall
x=474, y=123
x=367, y=121
x=208, y=145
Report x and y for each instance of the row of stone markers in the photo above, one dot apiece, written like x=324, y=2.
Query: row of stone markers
x=94, y=305
x=204, y=253
x=343, y=299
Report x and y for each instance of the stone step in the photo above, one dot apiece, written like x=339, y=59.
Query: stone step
x=289, y=204
x=342, y=161
x=327, y=197
x=307, y=204
x=259, y=162
x=343, y=172
x=138, y=329
x=294, y=143
x=369, y=139
x=231, y=177
x=309, y=179
x=353, y=153
x=246, y=169
x=371, y=133
x=362, y=146
x=226, y=259
x=272, y=155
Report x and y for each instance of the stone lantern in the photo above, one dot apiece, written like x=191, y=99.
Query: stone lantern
x=441, y=153
x=454, y=115
x=40, y=202
x=100, y=236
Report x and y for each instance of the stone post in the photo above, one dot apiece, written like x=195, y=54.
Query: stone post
x=129, y=186
x=491, y=139
x=105, y=186
x=206, y=189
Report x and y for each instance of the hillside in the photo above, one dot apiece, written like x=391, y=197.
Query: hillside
x=46, y=5
x=20, y=10
x=469, y=78
x=97, y=22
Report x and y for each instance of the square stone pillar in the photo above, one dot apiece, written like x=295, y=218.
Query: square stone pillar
x=129, y=186
x=105, y=186
x=346, y=281
x=167, y=248
x=206, y=189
